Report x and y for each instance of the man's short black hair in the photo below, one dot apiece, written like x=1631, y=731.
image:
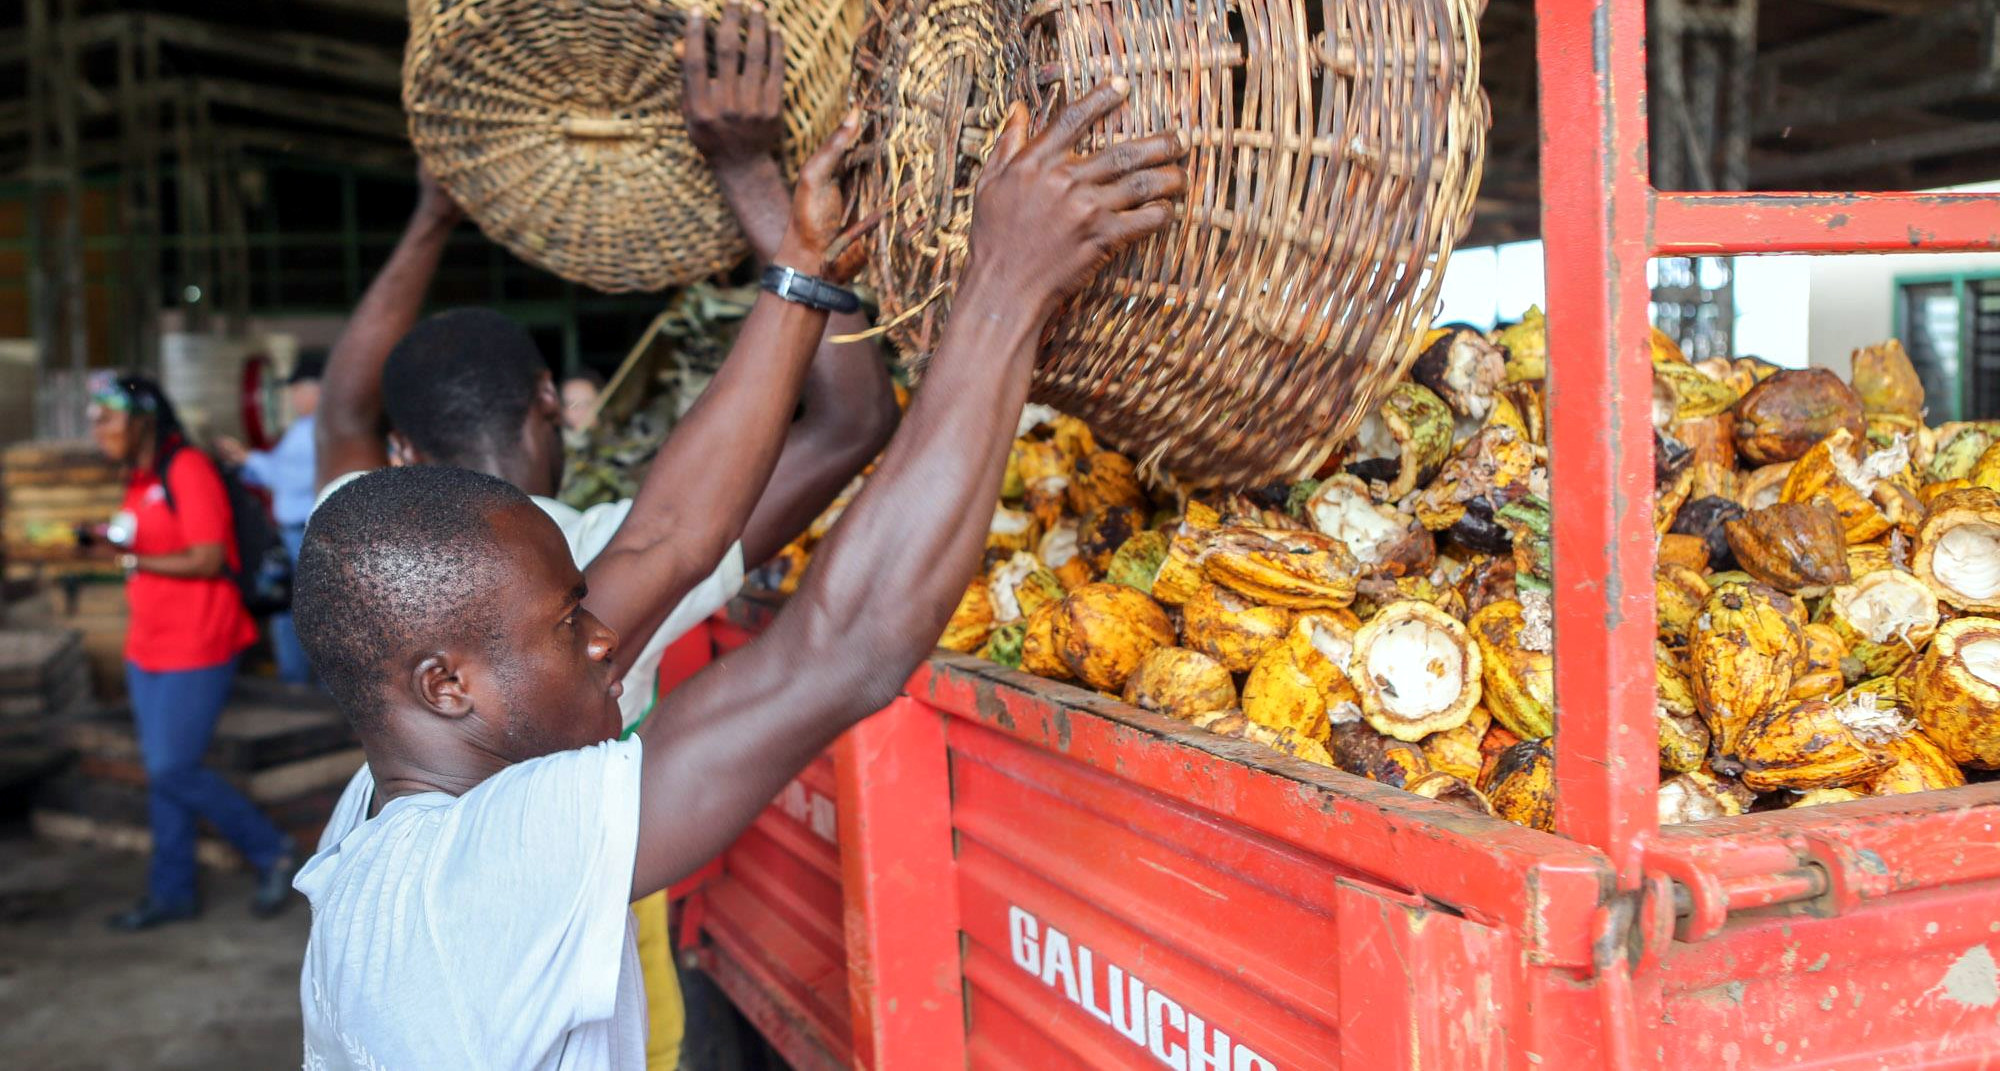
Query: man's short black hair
x=459, y=385
x=397, y=559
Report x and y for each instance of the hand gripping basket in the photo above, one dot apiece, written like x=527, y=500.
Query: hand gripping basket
x=556, y=125
x=1336, y=148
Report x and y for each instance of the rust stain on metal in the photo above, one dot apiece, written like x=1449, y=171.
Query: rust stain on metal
x=1836, y=221
x=1060, y=717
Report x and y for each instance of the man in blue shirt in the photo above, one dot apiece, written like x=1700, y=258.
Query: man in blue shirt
x=289, y=471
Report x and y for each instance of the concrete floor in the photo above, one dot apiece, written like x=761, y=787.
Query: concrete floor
x=219, y=992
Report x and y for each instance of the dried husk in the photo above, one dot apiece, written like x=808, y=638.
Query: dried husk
x=1782, y=417
x=1796, y=547
x=1450, y=788
x=1364, y=752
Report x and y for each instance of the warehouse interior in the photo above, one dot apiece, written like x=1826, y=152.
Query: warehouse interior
x=228, y=174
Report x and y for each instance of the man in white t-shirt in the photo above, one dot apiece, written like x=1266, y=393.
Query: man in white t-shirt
x=468, y=388
x=469, y=896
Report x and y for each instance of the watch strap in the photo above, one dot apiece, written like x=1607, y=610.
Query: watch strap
x=809, y=290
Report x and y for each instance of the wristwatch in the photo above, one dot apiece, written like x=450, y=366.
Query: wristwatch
x=809, y=290
x=129, y=563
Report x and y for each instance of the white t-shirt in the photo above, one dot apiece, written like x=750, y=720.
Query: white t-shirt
x=489, y=930
x=589, y=532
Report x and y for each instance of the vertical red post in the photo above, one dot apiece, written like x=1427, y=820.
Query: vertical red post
x=1595, y=208
x=901, y=885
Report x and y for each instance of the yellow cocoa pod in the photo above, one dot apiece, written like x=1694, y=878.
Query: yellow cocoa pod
x=1295, y=570
x=1180, y=574
x=1741, y=655
x=972, y=621
x=1181, y=683
x=1102, y=480
x=1679, y=594
x=1818, y=674
x=1958, y=549
x=1920, y=765
x=1805, y=745
x=1300, y=683
x=1523, y=787
x=1884, y=617
x=1886, y=381
x=1039, y=655
x=1683, y=736
x=1103, y=631
x=1230, y=628
x=1832, y=473
x=1517, y=676
x=1820, y=797
x=1456, y=751
x=1954, y=690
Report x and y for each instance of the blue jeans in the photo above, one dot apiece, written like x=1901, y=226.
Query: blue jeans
x=292, y=665
x=176, y=713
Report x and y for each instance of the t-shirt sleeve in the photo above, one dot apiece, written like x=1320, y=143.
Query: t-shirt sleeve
x=530, y=890
x=336, y=484
x=200, y=503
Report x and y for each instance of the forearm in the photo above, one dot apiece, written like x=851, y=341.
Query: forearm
x=194, y=563
x=728, y=739
x=349, y=426
x=703, y=485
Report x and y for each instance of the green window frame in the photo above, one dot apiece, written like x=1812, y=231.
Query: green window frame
x=1968, y=288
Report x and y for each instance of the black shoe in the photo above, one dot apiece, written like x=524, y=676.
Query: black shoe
x=274, y=885
x=146, y=914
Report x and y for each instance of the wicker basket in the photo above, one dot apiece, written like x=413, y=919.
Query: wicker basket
x=557, y=125
x=1336, y=149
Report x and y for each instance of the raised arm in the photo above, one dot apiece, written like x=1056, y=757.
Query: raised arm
x=706, y=479
x=1046, y=220
x=349, y=432
x=848, y=409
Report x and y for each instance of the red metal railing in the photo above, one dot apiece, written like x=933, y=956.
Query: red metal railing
x=1601, y=221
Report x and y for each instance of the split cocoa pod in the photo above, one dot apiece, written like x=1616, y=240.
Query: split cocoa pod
x=1813, y=744
x=1302, y=682
x=1955, y=691
x=1415, y=670
x=1958, y=549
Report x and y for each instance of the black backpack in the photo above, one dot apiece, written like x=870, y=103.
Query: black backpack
x=263, y=573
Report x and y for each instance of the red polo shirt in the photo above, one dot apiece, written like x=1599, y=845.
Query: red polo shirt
x=181, y=623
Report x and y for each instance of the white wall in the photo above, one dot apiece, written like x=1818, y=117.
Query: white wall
x=1853, y=298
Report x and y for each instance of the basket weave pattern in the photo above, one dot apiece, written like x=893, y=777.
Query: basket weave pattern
x=1335, y=151
x=557, y=125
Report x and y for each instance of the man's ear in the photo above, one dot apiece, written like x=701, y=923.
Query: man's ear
x=548, y=397
x=439, y=688
x=401, y=453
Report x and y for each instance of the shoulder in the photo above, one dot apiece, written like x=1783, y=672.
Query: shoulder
x=191, y=465
x=587, y=531
x=336, y=484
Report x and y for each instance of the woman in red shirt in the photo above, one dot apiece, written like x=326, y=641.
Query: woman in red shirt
x=188, y=626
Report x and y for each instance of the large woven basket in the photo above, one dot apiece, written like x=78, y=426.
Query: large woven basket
x=557, y=125
x=1336, y=149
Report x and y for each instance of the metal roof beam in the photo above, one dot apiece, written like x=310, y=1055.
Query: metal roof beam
x=327, y=57
x=1955, y=140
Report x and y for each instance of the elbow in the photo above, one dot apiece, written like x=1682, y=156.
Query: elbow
x=869, y=657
